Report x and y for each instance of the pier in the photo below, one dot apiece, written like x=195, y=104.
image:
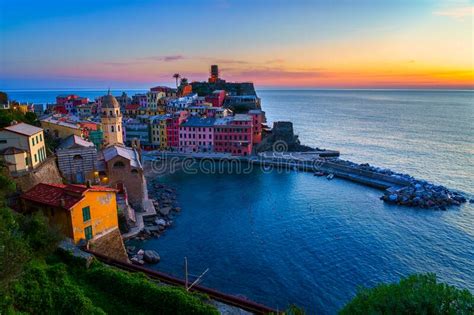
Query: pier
x=401, y=189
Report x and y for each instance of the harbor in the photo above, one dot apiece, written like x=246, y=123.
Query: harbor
x=398, y=188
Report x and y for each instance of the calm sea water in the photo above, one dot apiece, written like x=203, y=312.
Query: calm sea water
x=282, y=238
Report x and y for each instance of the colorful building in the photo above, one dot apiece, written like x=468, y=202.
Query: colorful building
x=61, y=127
x=172, y=128
x=197, y=135
x=80, y=212
x=233, y=134
x=216, y=98
x=258, y=118
x=27, y=138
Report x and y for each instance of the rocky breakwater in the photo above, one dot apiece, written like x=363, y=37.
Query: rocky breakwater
x=166, y=209
x=422, y=194
x=406, y=190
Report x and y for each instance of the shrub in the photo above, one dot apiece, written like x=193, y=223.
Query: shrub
x=417, y=294
x=47, y=289
x=152, y=297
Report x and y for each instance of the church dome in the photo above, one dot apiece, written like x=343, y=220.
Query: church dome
x=109, y=101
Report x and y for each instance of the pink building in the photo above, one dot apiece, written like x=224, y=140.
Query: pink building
x=233, y=134
x=197, y=135
x=258, y=118
x=172, y=128
x=216, y=98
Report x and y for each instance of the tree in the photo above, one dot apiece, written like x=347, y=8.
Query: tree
x=3, y=98
x=176, y=76
x=417, y=294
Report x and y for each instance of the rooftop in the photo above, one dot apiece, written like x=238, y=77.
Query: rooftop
x=199, y=122
x=11, y=151
x=24, y=129
x=60, y=195
x=125, y=152
x=74, y=141
x=65, y=123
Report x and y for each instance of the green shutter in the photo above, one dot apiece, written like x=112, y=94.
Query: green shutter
x=88, y=232
x=86, y=213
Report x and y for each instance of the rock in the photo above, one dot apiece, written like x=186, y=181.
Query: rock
x=177, y=209
x=151, y=257
x=140, y=252
x=393, y=197
x=165, y=210
x=160, y=222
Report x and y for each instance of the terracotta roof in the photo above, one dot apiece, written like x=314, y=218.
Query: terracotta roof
x=132, y=106
x=52, y=194
x=24, y=129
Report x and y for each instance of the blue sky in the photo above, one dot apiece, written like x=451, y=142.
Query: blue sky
x=310, y=43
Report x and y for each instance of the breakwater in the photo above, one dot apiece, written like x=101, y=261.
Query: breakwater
x=401, y=189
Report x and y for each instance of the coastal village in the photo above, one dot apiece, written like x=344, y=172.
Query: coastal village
x=83, y=165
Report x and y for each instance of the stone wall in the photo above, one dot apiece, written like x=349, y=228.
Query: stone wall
x=47, y=172
x=109, y=244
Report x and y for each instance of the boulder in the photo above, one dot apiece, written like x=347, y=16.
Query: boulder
x=165, y=210
x=151, y=257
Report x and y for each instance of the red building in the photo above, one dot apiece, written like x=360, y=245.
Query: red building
x=233, y=134
x=258, y=118
x=216, y=98
x=172, y=128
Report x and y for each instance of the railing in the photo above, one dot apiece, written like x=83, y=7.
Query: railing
x=244, y=304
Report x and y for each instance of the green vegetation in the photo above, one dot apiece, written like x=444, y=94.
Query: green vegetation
x=8, y=115
x=36, y=279
x=417, y=294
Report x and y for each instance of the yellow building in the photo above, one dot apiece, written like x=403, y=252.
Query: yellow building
x=111, y=120
x=158, y=136
x=60, y=128
x=80, y=212
x=27, y=138
x=15, y=159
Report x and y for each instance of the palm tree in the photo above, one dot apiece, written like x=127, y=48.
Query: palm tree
x=176, y=76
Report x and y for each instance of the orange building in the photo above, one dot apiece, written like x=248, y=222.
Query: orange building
x=79, y=211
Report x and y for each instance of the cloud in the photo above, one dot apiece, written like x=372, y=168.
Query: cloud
x=169, y=58
x=456, y=13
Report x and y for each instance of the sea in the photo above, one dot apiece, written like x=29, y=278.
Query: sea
x=288, y=237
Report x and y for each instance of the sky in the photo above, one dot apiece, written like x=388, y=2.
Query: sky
x=295, y=44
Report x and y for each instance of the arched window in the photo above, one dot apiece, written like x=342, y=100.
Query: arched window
x=77, y=157
x=119, y=164
x=110, y=112
x=118, y=127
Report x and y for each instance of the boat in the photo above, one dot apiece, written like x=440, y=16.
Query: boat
x=330, y=176
x=319, y=173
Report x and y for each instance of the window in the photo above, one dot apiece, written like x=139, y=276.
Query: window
x=37, y=139
x=119, y=164
x=88, y=232
x=36, y=158
x=112, y=128
x=3, y=141
x=86, y=214
x=41, y=137
x=32, y=141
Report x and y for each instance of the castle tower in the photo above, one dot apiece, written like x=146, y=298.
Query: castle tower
x=111, y=119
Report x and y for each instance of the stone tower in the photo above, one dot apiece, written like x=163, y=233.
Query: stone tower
x=111, y=119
